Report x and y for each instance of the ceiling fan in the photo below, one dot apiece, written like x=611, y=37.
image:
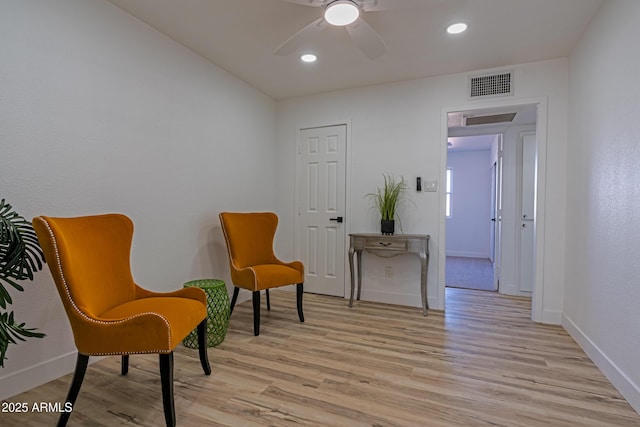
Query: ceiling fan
x=341, y=13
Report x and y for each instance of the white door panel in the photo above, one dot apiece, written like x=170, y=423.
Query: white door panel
x=321, y=201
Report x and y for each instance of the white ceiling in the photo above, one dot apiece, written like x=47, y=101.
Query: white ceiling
x=240, y=36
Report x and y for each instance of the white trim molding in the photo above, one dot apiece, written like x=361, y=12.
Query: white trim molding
x=625, y=385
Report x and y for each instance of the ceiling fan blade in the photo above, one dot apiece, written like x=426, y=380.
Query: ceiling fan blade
x=366, y=38
x=292, y=43
x=314, y=3
x=382, y=5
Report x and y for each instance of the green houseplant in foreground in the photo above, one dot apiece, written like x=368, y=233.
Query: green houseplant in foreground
x=387, y=199
x=20, y=257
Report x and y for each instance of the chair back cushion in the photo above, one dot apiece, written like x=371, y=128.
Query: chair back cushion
x=249, y=237
x=89, y=260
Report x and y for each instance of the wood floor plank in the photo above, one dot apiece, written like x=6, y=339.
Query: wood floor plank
x=480, y=363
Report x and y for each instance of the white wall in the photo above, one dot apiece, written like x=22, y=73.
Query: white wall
x=602, y=292
x=100, y=113
x=401, y=128
x=469, y=227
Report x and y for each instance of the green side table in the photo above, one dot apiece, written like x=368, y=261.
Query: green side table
x=218, y=309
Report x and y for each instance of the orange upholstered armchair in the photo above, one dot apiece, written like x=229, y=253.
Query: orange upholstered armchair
x=110, y=314
x=253, y=264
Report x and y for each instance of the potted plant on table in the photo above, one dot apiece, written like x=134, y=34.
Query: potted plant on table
x=387, y=199
x=20, y=257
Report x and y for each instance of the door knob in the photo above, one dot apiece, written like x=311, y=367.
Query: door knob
x=336, y=219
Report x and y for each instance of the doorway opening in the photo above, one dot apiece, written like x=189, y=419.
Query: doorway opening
x=472, y=196
x=490, y=224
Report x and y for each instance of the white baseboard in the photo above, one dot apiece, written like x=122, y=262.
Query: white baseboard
x=551, y=317
x=508, y=288
x=28, y=378
x=629, y=390
x=512, y=289
x=463, y=254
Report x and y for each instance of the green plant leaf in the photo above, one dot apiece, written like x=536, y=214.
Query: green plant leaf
x=387, y=198
x=10, y=331
x=20, y=257
x=20, y=253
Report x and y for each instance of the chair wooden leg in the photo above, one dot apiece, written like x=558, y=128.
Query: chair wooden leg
x=299, y=292
x=234, y=299
x=81, y=367
x=166, y=378
x=268, y=301
x=256, y=313
x=125, y=364
x=202, y=347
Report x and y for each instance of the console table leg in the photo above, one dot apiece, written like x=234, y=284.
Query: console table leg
x=352, y=276
x=424, y=261
x=359, y=255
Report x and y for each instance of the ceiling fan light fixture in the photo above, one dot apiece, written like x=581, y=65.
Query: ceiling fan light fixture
x=341, y=12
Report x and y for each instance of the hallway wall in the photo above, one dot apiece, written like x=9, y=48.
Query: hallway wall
x=469, y=227
x=602, y=295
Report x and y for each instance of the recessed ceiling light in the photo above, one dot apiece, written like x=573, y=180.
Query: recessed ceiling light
x=341, y=12
x=308, y=57
x=457, y=28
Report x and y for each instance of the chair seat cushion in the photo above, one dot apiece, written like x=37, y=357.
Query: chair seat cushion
x=274, y=275
x=180, y=315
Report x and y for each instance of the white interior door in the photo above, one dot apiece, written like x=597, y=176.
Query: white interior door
x=321, y=208
x=527, y=232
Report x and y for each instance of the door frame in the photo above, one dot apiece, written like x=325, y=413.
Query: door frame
x=537, y=302
x=347, y=191
x=496, y=208
x=493, y=245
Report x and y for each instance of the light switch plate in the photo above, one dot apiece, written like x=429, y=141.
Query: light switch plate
x=430, y=186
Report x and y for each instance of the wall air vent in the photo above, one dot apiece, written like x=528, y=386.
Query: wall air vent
x=488, y=119
x=490, y=85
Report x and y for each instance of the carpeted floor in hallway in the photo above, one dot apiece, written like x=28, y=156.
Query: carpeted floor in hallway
x=469, y=273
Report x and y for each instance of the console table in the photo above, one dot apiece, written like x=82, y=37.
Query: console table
x=387, y=246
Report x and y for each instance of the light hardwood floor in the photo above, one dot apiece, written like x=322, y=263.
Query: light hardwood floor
x=484, y=363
